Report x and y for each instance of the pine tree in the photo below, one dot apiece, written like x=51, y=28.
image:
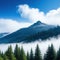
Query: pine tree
x=28, y=57
x=31, y=55
x=58, y=55
x=37, y=54
x=17, y=52
x=2, y=54
x=10, y=54
x=5, y=57
x=1, y=58
x=22, y=54
x=51, y=54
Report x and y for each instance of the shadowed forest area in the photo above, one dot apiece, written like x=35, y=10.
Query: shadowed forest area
x=19, y=54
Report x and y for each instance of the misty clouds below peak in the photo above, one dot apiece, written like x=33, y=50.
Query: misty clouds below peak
x=42, y=45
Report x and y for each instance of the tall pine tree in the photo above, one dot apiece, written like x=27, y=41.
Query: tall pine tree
x=22, y=54
x=28, y=57
x=5, y=57
x=31, y=55
x=51, y=54
x=58, y=55
x=17, y=52
x=37, y=54
x=1, y=58
x=9, y=53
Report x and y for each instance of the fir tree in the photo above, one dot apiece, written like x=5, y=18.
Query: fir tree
x=1, y=58
x=28, y=57
x=5, y=57
x=37, y=54
x=51, y=54
x=22, y=54
x=58, y=55
x=31, y=55
x=10, y=54
x=17, y=52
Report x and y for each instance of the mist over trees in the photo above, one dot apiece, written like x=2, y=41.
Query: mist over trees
x=20, y=54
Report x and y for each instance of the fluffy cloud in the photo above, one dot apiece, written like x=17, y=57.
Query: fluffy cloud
x=9, y=25
x=53, y=17
x=34, y=14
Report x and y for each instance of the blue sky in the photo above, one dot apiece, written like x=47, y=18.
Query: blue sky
x=8, y=8
x=16, y=14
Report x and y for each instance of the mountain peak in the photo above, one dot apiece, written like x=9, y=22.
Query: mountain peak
x=30, y=34
x=38, y=22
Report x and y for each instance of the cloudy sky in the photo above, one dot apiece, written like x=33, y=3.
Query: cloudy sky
x=16, y=14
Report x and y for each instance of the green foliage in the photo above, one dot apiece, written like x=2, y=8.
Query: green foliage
x=28, y=57
x=22, y=54
x=9, y=53
x=31, y=55
x=1, y=58
x=51, y=54
x=58, y=55
x=17, y=52
x=5, y=57
x=37, y=54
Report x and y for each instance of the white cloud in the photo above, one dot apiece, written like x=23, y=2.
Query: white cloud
x=9, y=25
x=31, y=13
x=34, y=14
x=53, y=17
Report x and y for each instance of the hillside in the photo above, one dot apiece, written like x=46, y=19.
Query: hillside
x=34, y=32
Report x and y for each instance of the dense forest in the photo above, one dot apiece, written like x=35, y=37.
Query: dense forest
x=19, y=54
x=47, y=34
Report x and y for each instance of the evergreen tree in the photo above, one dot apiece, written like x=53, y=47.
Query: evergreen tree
x=2, y=54
x=22, y=54
x=10, y=54
x=58, y=55
x=51, y=54
x=31, y=55
x=17, y=52
x=37, y=54
x=5, y=57
x=28, y=57
x=1, y=58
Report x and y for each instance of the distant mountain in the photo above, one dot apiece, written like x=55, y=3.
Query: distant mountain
x=3, y=34
x=34, y=32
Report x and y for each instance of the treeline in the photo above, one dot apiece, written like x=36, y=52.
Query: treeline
x=19, y=54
